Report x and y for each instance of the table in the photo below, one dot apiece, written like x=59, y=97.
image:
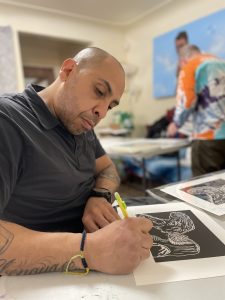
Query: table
x=144, y=148
x=98, y=286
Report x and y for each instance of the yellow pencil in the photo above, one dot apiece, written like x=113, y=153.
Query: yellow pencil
x=121, y=204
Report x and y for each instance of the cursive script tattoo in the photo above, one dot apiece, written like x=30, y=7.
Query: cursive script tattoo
x=6, y=238
x=22, y=266
x=8, y=267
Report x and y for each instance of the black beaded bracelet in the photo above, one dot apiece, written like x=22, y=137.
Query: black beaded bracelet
x=83, y=260
x=81, y=256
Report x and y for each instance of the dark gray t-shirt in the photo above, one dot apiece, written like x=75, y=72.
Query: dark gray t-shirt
x=46, y=173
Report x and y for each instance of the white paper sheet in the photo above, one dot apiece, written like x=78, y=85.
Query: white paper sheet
x=152, y=272
x=207, y=193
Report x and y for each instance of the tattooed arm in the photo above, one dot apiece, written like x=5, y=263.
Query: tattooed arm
x=27, y=252
x=98, y=212
x=106, y=173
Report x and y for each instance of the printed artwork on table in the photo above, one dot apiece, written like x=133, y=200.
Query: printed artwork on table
x=211, y=191
x=180, y=235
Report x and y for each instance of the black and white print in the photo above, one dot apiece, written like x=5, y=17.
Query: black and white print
x=211, y=191
x=180, y=235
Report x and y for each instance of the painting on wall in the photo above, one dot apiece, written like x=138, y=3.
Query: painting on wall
x=207, y=33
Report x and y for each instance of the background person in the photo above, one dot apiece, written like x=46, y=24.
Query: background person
x=181, y=40
x=201, y=100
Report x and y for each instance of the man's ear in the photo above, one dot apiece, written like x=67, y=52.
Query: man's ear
x=68, y=65
x=183, y=62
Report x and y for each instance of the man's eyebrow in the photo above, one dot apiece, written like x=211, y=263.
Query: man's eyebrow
x=115, y=102
x=107, y=85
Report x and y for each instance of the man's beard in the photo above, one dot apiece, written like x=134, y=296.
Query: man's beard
x=74, y=126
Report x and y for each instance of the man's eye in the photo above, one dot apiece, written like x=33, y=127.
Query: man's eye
x=112, y=105
x=99, y=92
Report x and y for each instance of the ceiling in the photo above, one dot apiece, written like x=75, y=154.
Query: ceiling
x=115, y=12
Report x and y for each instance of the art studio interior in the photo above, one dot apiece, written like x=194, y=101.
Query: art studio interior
x=39, y=36
x=112, y=149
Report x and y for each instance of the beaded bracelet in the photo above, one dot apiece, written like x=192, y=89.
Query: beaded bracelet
x=81, y=256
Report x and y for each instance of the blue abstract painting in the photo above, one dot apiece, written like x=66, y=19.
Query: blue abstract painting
x=207, y=33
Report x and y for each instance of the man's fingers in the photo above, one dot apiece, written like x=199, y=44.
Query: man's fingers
x=107, y=218
x=112, y=215
x=102, y=222
x=147, y=241
x=109, y=215
x=145, y=253
x=91, y=226
x=145, y=224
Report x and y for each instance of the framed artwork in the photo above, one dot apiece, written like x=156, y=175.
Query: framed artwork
x=207, y=33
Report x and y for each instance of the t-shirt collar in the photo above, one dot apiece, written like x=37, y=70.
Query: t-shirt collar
x=40, y=109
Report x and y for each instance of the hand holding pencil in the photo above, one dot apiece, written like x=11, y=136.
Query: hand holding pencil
x=121, y=204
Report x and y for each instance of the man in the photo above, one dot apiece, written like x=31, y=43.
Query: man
x=201, y=102
x=55, y=177
x=181, y=40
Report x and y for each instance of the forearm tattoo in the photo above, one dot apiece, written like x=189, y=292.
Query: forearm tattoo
x=13, y=267
x=10, y=267
x=6, y=238
x=111, y=174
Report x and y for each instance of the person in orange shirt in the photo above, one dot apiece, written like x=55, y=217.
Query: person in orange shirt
x=201, y=103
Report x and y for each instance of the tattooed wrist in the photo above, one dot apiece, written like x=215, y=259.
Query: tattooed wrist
x=6, y=238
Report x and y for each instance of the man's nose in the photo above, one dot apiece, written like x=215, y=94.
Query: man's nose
x=101, y=110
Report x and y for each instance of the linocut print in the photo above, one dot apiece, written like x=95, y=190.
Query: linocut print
x=180, y=235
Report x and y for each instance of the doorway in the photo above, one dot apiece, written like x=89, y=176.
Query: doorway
x=42, y=56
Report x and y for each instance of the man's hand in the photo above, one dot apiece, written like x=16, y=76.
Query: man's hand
x=98, y=213
x=119, y=247
x=171, y=130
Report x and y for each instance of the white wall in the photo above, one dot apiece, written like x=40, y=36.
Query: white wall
x=140, y=36
x=39, y=22
x=51, y=24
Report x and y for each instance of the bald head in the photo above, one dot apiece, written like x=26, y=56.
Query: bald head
x=93, y=56
x=189, y=51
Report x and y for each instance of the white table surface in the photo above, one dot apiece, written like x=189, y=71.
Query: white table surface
x=142, y=147
x=57, y=286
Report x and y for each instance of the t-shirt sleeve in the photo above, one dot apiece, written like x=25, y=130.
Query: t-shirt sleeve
x=11, y=146
x=99, y=151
